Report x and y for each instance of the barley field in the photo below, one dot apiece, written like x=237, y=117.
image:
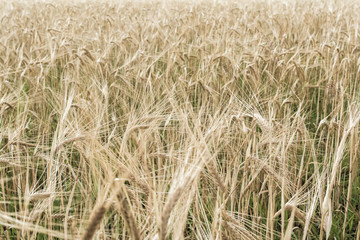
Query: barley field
x=180, y=119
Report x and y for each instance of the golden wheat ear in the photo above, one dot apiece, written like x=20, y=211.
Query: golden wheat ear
x=126, y=210
x=97, y=216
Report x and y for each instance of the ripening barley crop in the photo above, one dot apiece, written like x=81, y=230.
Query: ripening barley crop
x=180, y=119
